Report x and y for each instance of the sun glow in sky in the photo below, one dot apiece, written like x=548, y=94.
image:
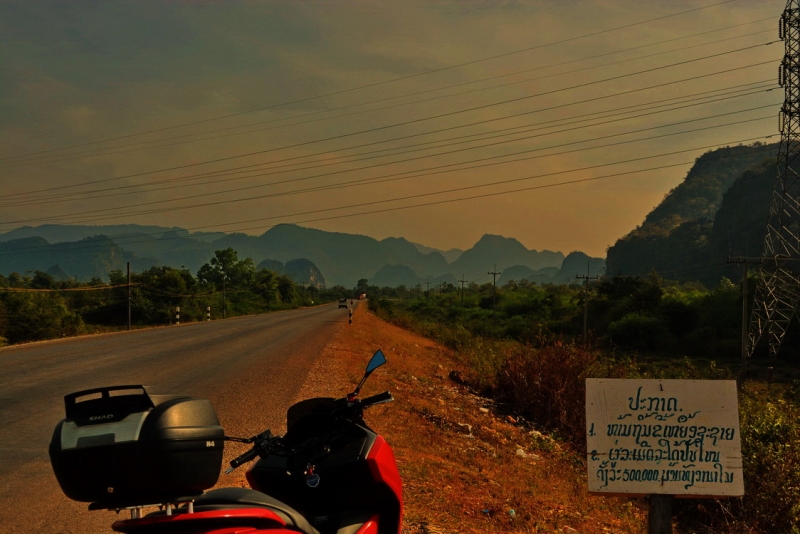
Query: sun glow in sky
x=561, y=124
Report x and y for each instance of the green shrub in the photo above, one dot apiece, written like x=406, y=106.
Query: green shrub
x=37, y=316
x=637, y=331
x=382, y=307
x=771, y=463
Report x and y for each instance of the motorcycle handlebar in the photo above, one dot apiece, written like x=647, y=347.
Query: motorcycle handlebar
x=263, y=441
x=262, y=444
x=380, y=398
x=244, y=458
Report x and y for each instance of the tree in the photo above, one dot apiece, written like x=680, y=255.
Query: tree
x=362, y=285
x=266, y=284
x=226, y=263
x=42, y=280
x=34, y=316
x=117, y=277
x=15, y=280
x=286, y=289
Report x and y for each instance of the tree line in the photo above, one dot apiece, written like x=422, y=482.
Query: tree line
x=647, y=315
x=37, y=305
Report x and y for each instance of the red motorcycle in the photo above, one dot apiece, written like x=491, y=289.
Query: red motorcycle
x=121, y=448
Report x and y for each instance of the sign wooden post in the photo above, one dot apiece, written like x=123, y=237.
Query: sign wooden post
x=663, y=438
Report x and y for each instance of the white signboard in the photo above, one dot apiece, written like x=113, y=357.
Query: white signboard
x=671, y=437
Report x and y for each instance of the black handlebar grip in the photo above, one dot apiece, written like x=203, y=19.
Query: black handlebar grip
x=246, y=457
x=377, y=399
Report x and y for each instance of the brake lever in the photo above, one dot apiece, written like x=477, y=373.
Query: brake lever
x=239, y=440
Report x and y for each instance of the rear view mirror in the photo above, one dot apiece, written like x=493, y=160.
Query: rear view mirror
x=377, y=360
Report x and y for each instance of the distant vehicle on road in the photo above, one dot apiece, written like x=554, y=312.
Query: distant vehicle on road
x=363, y=296
x=342, y=303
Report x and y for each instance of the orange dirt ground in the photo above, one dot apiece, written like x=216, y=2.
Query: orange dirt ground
x=464, y=467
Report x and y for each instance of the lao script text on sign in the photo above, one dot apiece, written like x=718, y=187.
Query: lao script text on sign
x=672, y=437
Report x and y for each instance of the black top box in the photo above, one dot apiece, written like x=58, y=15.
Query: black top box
x=119, y=447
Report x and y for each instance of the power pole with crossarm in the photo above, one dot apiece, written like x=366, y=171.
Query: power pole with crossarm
x=586, y=278
x=494, y=286
x=462, y=288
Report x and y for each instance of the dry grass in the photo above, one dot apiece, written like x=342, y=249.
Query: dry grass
x=464, y=467
x=547, y=385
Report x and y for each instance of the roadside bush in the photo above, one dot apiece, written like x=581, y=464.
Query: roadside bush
x=37, y=316
x=771, y=455
x=771, y=463
x=547, y=385
x=381, y=307
x=637, y=331
x=520, y=328
x=483, y=357
x=680, y=316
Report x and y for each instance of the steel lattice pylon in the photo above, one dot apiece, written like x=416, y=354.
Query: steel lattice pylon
x=778, y=289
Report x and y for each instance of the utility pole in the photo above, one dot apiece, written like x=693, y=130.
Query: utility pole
x=129, y=295
x=494, y=286
x=586, y=301
x=223, y=296
x=304, y=292
x=744, y=261
x=462, y=288
x=427, y=289
x=776, y=298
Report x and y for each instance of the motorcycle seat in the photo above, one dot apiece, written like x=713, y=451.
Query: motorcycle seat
x=236, y=497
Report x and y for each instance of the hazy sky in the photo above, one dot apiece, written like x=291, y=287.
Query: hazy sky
x=237, y=116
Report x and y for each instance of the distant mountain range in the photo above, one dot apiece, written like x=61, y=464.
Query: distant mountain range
x=337, y=258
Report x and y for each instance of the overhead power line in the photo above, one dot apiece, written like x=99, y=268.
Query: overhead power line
x=382, y=153
x=392, y=80
x=414, y=121
x=20, y=250
x=159, y=143
x=214, y=177
x=88, y=288
x=367, y=181
x=487, y=195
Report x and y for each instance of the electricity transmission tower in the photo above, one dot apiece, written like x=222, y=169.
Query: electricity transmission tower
x=776, y=296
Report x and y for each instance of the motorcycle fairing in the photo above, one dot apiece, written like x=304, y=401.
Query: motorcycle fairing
x=224, y=498
x=370, y=526
x=382, y=465
x=348, y=481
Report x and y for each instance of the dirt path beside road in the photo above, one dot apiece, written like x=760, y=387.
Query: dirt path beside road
x=464, y=466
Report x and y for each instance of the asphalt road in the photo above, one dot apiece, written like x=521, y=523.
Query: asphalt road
x=251, y=368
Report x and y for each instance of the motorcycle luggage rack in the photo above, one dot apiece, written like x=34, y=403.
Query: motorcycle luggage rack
x=136, y=511
x=106, y=404
x=138, y=504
